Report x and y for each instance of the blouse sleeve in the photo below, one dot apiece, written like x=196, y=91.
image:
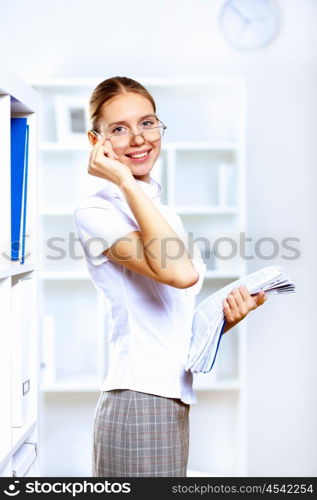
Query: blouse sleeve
x=99, y=227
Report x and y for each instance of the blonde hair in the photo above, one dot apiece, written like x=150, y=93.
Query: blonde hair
x=110, y=88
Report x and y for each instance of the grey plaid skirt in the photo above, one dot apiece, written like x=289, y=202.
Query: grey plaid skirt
x=140, y=435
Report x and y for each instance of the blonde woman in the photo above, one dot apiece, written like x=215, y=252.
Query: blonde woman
x=136, y=252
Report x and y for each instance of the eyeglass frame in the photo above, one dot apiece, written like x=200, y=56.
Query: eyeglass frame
x=131, y=134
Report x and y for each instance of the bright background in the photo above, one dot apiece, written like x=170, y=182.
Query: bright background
x=181, y=38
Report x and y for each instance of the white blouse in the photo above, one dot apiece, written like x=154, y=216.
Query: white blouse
x=150, y=322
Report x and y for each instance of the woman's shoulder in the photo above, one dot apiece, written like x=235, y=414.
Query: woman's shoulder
x=103, y=198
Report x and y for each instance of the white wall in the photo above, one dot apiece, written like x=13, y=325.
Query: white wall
x=99, y=38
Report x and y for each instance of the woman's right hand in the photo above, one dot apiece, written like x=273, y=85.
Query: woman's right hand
x=104, y=163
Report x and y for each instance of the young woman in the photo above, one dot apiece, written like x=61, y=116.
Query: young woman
x=136, y=252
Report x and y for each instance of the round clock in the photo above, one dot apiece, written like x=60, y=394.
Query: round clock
x=249, y=24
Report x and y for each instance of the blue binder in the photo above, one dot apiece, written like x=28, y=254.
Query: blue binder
x=25, y=191
x=19, y=171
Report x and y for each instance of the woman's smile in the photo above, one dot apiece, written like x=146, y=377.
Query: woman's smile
x=139, y=156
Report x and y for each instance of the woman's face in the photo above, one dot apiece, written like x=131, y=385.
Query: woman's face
x=131, y=111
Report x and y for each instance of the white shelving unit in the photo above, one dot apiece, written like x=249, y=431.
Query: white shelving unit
x=18, y=424
x=202, y=171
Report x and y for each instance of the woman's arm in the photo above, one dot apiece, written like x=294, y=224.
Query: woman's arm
x=156, y=250
x=165, y=251
x=239, y=303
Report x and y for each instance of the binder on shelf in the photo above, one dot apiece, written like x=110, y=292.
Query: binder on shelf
x=22, y=383
x=25, y=190
x=23, y=459
x=19, y=174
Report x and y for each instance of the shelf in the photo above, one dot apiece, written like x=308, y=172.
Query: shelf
x=75, y=387
x=166, y=146
x=64, y=275
x=19, y=339
x=200, y=146
x=205, y=210
x=186, y=210
x=24, y=99
x=218, y=274
x=83, y=275
x=230, y=385
x=70, y=388
x=92, y=82
x=18, y=437
x=57, y=211
x=63, y=147
x=20, y=434
x=16, y=268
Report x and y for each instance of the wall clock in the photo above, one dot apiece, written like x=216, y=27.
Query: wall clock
x=249, y=24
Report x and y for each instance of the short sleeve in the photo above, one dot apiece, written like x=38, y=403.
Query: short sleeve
x=99, y=227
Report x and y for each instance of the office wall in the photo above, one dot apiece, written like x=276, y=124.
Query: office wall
x=181, y=38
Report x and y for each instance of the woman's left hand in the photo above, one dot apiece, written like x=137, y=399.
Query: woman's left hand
x=239, y=303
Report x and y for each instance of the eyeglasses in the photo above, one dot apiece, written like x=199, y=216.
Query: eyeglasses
x=122, y=136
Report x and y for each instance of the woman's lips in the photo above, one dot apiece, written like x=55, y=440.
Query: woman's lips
x=140, y=156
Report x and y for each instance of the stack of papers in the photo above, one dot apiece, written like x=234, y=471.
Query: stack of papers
x=209, y=320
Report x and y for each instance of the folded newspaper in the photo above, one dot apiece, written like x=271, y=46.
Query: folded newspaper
x=209, y=320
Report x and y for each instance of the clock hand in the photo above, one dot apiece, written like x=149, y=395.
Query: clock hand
x=240, y=14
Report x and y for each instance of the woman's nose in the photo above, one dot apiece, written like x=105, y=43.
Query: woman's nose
x=137, y=139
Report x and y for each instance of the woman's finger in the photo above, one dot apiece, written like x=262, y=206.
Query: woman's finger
x=260, y=298
x=253, y=301
x=227, y=311
x=103, y=147
x=242, y=303
x=233, y=305
x=245, y=294
x=97, y=146
x=108, y=151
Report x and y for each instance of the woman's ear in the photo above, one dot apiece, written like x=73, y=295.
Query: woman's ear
x=92, y=138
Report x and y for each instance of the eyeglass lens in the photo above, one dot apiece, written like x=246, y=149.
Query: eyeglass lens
x=151, y=135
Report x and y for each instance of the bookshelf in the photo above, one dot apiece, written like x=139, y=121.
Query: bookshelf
x=18, y=293
x=202, y=172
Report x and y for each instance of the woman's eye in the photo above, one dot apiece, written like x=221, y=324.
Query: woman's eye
x=118, y=130
x=147, y=123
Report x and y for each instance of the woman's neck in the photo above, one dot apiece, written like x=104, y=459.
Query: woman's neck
x=143, y=178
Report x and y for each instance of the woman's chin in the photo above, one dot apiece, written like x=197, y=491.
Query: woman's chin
x=141, y=171
x=138, y=170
